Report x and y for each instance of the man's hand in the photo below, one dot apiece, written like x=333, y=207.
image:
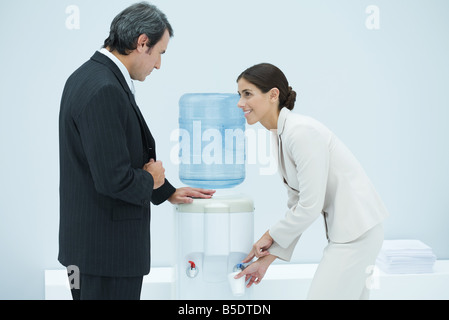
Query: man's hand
x=186, y=195
x=156, y=169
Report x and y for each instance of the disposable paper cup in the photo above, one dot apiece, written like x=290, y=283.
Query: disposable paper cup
x=237, y=285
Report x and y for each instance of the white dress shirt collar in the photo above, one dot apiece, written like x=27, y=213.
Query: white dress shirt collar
x=122, y=68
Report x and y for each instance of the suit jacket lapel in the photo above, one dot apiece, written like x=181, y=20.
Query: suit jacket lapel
x=150, y=144
x=147, y=138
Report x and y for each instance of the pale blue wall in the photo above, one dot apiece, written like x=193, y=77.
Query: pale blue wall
x=383, y=92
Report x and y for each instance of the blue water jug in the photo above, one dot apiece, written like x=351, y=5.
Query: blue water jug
x=211, y=140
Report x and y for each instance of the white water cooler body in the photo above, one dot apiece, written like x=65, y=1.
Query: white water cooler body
x=213, y=237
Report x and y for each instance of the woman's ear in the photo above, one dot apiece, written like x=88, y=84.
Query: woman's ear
x=274, y=94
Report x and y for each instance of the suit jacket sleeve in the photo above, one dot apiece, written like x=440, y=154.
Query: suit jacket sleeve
x=163, y=193
x=102, y=128
x=309, y=150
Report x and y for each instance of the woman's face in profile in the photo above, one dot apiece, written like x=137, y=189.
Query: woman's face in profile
x=255, y=104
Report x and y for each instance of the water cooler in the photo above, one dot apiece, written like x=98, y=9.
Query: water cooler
x=213, y=235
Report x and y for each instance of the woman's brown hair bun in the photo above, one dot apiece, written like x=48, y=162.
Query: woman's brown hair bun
x=291, y=99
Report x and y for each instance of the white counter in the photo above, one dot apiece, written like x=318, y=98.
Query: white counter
x=285, y=282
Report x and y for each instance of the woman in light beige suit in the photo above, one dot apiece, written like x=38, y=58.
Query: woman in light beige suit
x=321, y=177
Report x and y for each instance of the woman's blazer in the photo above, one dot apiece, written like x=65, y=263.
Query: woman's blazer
x=322, y=177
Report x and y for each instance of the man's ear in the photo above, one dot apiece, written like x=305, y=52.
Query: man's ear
x=142, y=42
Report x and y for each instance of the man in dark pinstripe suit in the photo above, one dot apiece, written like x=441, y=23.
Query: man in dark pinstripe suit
x=109, y=173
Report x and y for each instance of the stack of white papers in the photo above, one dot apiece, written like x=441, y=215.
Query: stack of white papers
x=405, y=256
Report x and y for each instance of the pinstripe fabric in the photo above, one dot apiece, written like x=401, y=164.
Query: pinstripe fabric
x=107, y=288
x=104, y=193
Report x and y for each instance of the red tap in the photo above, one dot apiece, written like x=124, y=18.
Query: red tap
x=192, y=265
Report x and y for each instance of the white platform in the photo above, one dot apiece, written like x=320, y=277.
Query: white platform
x=285, y=282
x=158, y=285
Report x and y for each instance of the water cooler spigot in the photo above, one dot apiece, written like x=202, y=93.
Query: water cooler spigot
x=192, y=270
x=238, y=267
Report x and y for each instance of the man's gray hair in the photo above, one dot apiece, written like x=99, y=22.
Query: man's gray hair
x=127, y=26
